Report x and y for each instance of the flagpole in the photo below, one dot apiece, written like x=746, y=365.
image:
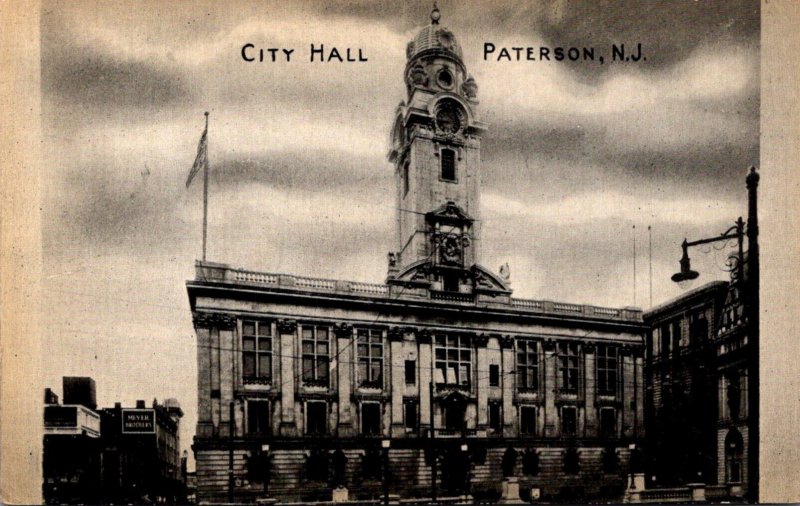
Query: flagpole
x=205, y=195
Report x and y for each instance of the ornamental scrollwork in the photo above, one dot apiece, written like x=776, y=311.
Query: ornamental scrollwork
x=213, y=320
x=287, y=326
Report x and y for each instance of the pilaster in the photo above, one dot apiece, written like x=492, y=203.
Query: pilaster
x=482, y=374
x=344, y=377
x=628, y=399
x=287, y=330
x=507, y=357
x=425, y=355
x=590, y=386
x=396, y=375
x=550, y=389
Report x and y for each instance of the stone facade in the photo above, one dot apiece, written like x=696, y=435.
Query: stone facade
x=302, y=381
x=552, y=416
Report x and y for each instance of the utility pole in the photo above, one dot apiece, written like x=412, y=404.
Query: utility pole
x=231, y=426
x=434, y=451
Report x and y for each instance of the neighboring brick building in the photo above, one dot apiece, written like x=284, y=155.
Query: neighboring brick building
x=681, y=414
x=112, y=455
x=301, y=379
x=71, y=444
x=696, y=370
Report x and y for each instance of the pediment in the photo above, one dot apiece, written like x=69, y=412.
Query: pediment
x=449, y=212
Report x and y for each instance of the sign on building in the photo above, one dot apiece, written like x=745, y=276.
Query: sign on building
x=138, y=421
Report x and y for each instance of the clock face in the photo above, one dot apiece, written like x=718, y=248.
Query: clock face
x=447, y=120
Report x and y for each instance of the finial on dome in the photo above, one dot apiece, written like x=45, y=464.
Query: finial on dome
x=435, y=14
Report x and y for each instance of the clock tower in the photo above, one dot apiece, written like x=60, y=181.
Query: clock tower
x=435, y=151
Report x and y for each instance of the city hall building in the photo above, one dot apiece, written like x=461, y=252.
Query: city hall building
x=306, y=384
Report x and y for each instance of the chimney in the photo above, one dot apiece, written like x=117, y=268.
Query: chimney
x=140, y=404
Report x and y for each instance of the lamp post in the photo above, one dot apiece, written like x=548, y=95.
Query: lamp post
x=749, y=283
x=385, y=444
x=467, y=478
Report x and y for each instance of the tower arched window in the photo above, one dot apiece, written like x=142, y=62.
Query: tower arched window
x=448, y=163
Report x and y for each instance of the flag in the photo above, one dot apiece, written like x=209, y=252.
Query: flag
x=201, y=160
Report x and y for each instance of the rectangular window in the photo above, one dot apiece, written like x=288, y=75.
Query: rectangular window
x=527, y=420
x=316, y=355
x=569, y=421
x=453, y=360
x=405, y=179
x=316, y=418
x=258, y=419
x=448, y=164
x=256, y=351
x=411, y=372
x=495, y=418
x=371, y=419
x=410, y=414
x=665, y=341
x=606, y=369
x=370, y=357
x=568, y=367
x=527, y=365
x=494, y=375
x=608, y=422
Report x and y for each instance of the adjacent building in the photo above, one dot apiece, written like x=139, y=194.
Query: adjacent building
x=111, y=455
x=682, y=397
x=71, y=461
x=303, y=383
x=697, y=372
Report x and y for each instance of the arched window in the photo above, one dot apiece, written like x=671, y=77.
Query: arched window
x=733, y=456
x=317, y=466
x=530, y=462
x=448, y=160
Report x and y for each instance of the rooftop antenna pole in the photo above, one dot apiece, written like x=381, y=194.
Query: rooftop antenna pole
x=650, y=241
x=205, y=196
x=634, y=265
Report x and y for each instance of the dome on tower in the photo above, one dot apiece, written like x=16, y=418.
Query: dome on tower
x=434, y=37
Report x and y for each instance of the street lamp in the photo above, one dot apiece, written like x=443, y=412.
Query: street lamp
x=385, y=444
x=467, y=477
x=749, y=284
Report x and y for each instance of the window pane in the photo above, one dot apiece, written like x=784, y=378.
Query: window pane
x=441, y=354
x=363, y=350
x=322, y=348
x=465, y=354
x=308, y=333
x=248, y=343
x=264, y=329
x=265, y=365
x=362, y=370
x=376, y=370
x=377, y=350
x=308, y=347
x=248, y=364
x=411, y=372
x=452, y=341
x=322, y=334
x=362, y=335
x=265, y=344
x=248, y=328
x=308, y=368
x=322, y=368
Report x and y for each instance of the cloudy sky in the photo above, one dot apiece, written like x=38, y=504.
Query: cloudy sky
x=576, y=155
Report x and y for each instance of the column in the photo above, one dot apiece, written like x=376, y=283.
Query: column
x=628, y=400
x=205, y=427
x=226, y=347
x=550, y=389
x=397, y=380
x=424, y=361
x=482, y=373
x=590, y=386
x=638, y=357
x=509, y=413
x=344, y=375
x=287, y=330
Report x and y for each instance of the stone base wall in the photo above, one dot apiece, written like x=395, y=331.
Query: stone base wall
x=410, y=474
